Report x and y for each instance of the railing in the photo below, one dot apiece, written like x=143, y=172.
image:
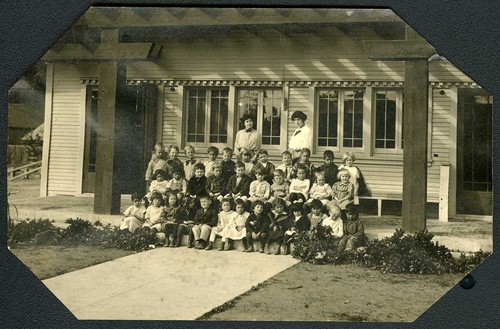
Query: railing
x=25, y=170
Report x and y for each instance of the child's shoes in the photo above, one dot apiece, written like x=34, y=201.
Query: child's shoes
x=210, y=246
x=221, y=248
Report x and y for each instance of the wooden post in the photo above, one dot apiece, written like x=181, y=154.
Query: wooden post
x=415, y=145
x=111, y=87
x=444, y=191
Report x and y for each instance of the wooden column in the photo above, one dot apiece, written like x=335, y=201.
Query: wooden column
x=111, y=87
x=415, y=145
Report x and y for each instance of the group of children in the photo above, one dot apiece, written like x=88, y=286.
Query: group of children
x=249, y=200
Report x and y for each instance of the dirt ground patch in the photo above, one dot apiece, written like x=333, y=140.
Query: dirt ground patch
x=49, y=261
x=308, y=292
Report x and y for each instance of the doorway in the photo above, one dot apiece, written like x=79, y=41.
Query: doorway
x=474, y=152
x=135, y=135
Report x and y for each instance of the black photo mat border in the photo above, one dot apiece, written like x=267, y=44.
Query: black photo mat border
x=465, y=32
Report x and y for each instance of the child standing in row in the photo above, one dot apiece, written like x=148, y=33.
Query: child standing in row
x=286, y=165
x=329, y=169
x=228, y=167
x=157, y=162
x=189, y=162
x=173, y=162
x=213, y=153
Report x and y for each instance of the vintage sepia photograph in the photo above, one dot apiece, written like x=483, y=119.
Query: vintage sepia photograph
x=242, y=164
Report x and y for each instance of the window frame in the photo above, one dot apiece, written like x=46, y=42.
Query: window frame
x=340, y=121
x=398, y=149
x=208, y=112
x=259, y=124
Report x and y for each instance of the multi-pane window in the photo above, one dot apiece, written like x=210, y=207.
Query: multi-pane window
x=265, y=106
x=388, y=121
x=340, y=118
x=207, y=113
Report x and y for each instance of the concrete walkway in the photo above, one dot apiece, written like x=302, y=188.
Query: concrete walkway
x=164, y=283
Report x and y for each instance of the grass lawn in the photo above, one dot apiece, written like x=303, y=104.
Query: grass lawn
x=308, y=292
x=49, y=261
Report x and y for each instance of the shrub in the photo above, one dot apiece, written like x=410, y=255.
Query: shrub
x=83, y=232
x=398, y=253
x=26, y=230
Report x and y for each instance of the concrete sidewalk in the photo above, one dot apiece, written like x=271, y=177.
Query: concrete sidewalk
x=164, y=283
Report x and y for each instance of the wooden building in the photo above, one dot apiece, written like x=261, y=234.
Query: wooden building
x=185, y=76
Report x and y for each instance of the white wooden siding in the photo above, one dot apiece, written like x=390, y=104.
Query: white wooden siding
x=66, y=140
x=171, y=114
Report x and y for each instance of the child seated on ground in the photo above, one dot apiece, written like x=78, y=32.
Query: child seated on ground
x=354, y=231
x=204, y=220
x=356, y=177
x=235, y=228
x=134, y=215
x=158, y=185
x=320, y=190
x=174, y=215
x=299, y=187
x=189, y=162
x=213, y=153
x=228, y=167
x=343, y=190
x=329, y=169
x=257, y=226
x=286, y=165
x=173, y=162
x=280, y=188
x=157, y=161
x=334, y=221
x=299, y=224
x=267, y=167
x=279, y=223
x=316, y=216
x=215, y=186
x=155, y=216
x=259, y=188
x=223, y=219
x=239, y=184
x=177, y=184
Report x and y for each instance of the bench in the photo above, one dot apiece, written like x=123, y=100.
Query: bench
x=380, y=198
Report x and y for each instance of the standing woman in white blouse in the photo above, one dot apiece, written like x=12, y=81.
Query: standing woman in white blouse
x=301, y=137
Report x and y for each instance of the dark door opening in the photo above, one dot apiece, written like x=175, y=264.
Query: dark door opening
x=474, y=152
x=135, y=133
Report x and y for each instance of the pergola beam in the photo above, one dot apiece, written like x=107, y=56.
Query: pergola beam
x=95, y=17
x=105, y=51
x=398, y=50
